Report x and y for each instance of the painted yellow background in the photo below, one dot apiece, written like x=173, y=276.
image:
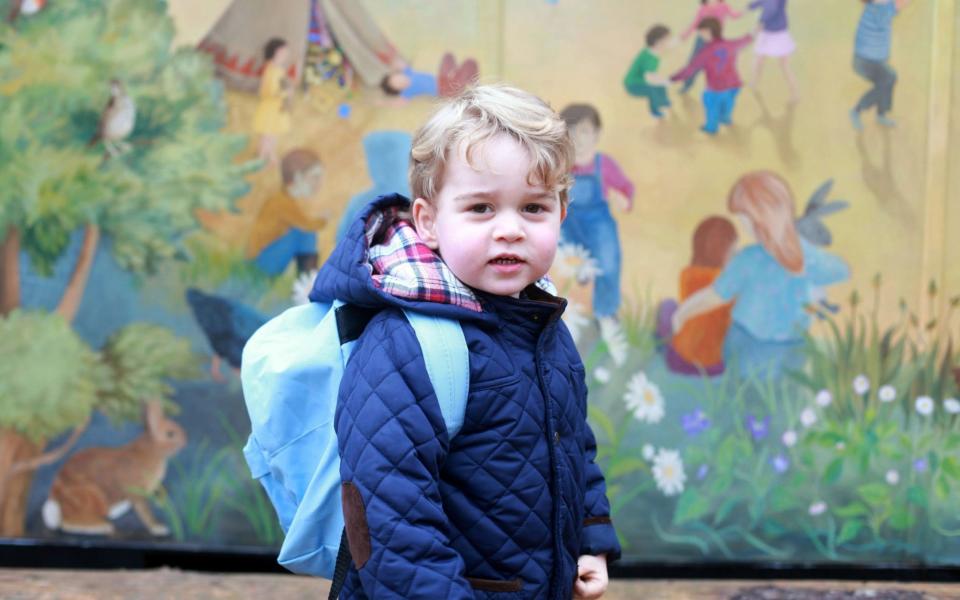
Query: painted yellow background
x=898, y=181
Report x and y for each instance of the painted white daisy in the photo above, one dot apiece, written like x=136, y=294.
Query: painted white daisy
x=566, y=259
x=887, y=393
x=668, y=472
x=648, y=452
x=300, y=292
x=893, y=477
x=601, y=374
x=576, y=320
x=824, y=398
x=861, y=385
x=808, y=417
x=924, y=405
x=615, y=339
x=643, y=398
x=574, y=260
x=789, y=438
x=951, y=405
x=818, y=508
x=588, y=271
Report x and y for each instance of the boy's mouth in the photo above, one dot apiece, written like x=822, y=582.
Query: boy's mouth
x=507, y=259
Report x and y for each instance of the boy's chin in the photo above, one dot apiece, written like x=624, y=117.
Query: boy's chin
x=504, y=289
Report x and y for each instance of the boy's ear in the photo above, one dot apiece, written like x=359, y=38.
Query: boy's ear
x=563, y=211
x=425, y=220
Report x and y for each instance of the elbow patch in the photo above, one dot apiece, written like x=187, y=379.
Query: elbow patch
x=355, y=522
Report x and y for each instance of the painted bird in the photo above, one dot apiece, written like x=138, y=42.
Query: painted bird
x=116, y=121
x=226, y=323
x=24, y=7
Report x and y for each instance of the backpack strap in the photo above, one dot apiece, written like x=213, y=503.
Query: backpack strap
x=448, y=364
x=341, y=569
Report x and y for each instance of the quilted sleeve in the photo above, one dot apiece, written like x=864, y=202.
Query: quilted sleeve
x=393, y=441
x=598, y=535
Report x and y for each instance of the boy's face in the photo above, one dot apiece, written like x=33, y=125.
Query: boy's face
x=496, y=231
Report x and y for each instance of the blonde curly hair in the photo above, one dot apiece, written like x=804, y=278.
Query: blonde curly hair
x=477, y=115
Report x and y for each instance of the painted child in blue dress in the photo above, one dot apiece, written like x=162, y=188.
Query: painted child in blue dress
x=589, y=221
x=772, y=281
x=388, y=156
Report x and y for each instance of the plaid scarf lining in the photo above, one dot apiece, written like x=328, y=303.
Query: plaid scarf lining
x=405, y=267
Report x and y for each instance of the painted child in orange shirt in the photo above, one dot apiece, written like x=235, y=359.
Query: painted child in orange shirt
x=698, y=346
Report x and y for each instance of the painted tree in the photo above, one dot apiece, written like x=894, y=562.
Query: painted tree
x=55, y=73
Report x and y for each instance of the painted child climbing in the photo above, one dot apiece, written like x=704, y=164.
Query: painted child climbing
x=282, y=231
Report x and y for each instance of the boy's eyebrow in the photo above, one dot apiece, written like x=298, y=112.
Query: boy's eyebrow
x=485, y=195
x=544, y=195
x=481, y=195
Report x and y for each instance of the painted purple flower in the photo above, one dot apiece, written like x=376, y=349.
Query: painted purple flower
x=780, y=463
x=702, y=471
x=920, y=465
x=758, y=429
x=696, y=422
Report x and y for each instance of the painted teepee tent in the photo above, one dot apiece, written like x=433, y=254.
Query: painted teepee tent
x=237, y=39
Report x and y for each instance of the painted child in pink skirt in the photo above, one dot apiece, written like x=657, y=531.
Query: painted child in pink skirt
x=774, y=41
x=715, y=9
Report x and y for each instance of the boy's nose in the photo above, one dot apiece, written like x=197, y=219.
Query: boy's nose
x=508, y=228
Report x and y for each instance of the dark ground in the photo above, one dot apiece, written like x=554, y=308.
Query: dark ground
x=18, y=584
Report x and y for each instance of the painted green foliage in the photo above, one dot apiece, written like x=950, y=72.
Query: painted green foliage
x=50, y=379
x=63, y=169
x=55, y=74
x=856, y=457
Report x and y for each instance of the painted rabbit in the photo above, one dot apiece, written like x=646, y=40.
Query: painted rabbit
x=811, y=228
x=99, y=484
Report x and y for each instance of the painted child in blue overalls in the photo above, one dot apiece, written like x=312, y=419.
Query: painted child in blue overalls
x=589, y=222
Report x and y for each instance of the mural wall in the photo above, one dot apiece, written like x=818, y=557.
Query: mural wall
x=772, y=382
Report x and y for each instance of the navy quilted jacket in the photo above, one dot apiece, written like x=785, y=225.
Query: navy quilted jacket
x=505, y=508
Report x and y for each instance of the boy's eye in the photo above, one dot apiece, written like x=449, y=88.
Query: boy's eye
x=535, y=208
x=479, y=208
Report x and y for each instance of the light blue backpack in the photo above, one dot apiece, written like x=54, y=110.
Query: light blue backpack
x=291, y=372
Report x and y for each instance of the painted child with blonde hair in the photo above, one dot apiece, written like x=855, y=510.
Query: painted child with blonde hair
x=771, y=281
x=514, y=503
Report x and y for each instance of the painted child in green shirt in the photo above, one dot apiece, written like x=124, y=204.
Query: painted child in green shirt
x=642, y=79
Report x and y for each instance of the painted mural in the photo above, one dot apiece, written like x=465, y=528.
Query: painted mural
x=758, y=254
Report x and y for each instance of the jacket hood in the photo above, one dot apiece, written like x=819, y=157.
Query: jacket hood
x=381, y=263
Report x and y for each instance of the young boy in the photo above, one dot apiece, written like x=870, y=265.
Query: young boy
x=642, y=79
x=719, y=60
x=282, y=231
x=514, y=505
